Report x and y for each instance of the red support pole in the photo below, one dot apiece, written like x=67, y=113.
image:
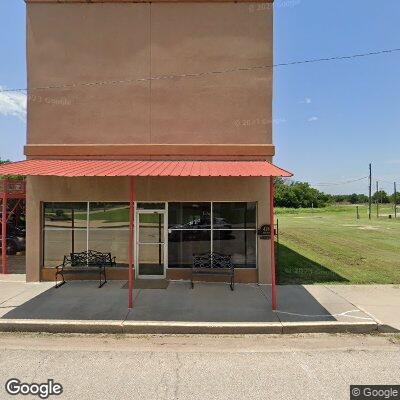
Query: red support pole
x=131, y=239
x=272, y=222
x=4, y=229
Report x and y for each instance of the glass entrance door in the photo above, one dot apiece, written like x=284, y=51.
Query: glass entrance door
x=150, y=251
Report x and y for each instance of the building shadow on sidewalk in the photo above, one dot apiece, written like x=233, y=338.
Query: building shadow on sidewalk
x=76, y=300
x=207, y=302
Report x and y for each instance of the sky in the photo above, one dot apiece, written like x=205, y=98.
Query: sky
x=331, y=119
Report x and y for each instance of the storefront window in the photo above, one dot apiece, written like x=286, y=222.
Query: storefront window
x=75, y=227
x=234, y=215
x=64, y=230
x=189, y=215
x=241, y=245
x=109, y=230
x=193, y=228
x=232, y=231
x=182, y=244
x=65, y=215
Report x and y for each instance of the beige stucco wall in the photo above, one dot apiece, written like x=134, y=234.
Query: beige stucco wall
x=73, y=43
x=42, y=189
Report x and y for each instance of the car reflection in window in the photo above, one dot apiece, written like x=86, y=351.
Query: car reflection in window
x=197, y=230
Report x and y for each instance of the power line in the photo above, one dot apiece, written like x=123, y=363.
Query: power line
x=200, y=74
x=386, y=181
x=349, y=181
x=339, y=183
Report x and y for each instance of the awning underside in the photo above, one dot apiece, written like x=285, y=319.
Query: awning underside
x=80, y=168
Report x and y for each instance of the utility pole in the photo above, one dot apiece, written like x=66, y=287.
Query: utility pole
x=395, y=200
x=377, y=199
x=370, y=191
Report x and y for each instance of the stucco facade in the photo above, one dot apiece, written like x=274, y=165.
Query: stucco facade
x=47, y=189
x=73, y=43
x=140, y=80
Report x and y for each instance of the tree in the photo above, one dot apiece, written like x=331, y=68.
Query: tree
x=357, y=198
x=350, y=198
x=299, y=195
x=340, y=198
x=381, y=197
x=15, y=177
x=2, y=162
x=294, y=194
x=362, y=198
x=392, y=199
x=353, y=198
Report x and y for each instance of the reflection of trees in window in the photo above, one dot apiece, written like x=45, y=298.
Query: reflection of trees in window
x=67, y=229
x=109, y=230
x=64, y=230
x=237, y=215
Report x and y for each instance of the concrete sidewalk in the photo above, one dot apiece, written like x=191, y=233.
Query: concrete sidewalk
x=382, y=302
x=80, y=306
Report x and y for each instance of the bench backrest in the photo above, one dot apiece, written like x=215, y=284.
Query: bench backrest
x=212, y=260
x=89, y=258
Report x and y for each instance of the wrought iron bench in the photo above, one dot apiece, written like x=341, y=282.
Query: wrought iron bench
x=213, y=264
x=85, y=262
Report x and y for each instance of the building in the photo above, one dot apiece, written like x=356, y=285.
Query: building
x=167, y=91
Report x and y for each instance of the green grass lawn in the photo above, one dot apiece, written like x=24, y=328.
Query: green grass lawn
x=331, y=246
x=120, y=214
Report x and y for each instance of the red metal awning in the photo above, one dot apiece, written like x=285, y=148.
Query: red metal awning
x=78, y=168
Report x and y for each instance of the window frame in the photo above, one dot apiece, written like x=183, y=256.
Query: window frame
x=87, y=228
x=166, y=210
x=211, y=229
x=43, y=226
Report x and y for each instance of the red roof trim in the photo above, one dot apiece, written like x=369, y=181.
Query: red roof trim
x=80, y=168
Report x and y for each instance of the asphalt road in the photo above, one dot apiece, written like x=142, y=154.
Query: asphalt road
x=200, y=367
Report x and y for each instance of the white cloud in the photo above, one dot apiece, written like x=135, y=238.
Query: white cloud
x=307, y=100
x=13, y=104
x=312, y=119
